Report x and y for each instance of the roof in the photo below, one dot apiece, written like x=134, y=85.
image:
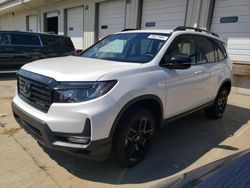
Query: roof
x=28, y=32
x=148, y=31
x=181, y=29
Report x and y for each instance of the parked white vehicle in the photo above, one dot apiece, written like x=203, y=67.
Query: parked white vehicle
x=116, y=94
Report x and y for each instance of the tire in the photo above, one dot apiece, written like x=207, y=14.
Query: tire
x=133, y=136
x=217, y=110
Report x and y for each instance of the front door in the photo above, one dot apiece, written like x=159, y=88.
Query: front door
x=184, y=87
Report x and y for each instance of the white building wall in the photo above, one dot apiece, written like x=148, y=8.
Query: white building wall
x=236, y=35
x=89, y=23
x=18, y=20
x=198, y=13
x=60, y=7
x=112, y=16
x=15, y=20
x=163, y=14
x=131, y=16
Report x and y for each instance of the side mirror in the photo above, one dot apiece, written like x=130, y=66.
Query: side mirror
x=178, y=62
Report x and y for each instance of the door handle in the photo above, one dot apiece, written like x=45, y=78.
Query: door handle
x=218, y=68
x=198, y=72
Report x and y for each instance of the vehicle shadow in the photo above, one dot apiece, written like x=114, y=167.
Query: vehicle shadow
x=176, y=146
x=7, y=76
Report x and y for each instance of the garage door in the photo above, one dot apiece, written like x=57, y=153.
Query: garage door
x=32, y=23
x=111, y=17
x=163, y=14
x=231, y=20
x=75, y=26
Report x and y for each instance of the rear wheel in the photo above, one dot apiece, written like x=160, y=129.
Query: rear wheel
x=133, y=137
x=217, y=109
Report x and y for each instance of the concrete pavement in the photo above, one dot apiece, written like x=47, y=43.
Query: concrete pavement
x=181, y=146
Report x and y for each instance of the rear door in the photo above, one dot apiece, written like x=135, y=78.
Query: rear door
x=27, y=47
x=6, y=52
x=212, y=65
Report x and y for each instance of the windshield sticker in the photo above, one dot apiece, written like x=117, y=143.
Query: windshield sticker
x=158, y=37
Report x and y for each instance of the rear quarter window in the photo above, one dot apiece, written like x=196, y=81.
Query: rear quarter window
x=25, y=40
x=220, y=50
x=59, y=42
x=48, y=40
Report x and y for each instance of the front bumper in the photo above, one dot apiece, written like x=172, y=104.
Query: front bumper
x=97, y=150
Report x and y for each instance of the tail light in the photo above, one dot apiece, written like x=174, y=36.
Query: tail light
x=74, y=52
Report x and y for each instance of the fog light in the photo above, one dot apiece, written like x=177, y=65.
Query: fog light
x=78, y=139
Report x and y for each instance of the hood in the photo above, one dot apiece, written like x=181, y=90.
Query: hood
x=73, y=68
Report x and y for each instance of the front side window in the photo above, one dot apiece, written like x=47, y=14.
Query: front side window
x=25, y=40
x=5, y=39
x=128, y=47
x=183, y=45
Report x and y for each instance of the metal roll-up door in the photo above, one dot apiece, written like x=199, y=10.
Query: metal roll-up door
x=231, y=20
x=75, y=26
x=163, y=14
x=33, y=23
x=111, y=17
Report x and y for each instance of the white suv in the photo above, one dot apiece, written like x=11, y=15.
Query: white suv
x=116, y=94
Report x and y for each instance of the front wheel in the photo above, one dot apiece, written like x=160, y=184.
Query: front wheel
x=217, y=109
x=133, y=137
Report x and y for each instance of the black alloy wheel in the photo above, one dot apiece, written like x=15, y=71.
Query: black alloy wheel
x=218, y=108
x=134, y=136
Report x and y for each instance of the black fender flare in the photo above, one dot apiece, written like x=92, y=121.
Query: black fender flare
x=224, y=81
x=131, y=103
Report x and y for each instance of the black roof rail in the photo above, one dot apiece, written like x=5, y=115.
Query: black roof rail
x=183, y=28
x=129, y=29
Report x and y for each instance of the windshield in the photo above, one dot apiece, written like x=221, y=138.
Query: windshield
x=127, y=47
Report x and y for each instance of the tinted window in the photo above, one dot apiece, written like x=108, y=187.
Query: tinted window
x=59, y=43
x=200, y=57
x=220, y=51
x=183, y=45
x=5, y=39
x=23, y=39
x=206, y=47
x=66, y=44
x=48, y=40
x=128, y=47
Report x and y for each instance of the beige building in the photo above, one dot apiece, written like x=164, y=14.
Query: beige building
x=86, y=21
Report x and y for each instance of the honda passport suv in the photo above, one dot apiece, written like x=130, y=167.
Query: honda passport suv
x=114, y=96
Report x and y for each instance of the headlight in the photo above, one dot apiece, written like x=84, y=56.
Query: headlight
x=71, y=92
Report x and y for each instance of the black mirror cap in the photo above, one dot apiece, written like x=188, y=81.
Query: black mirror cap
x=178, y=62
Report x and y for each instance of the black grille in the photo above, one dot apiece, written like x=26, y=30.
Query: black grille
x=37, y=94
